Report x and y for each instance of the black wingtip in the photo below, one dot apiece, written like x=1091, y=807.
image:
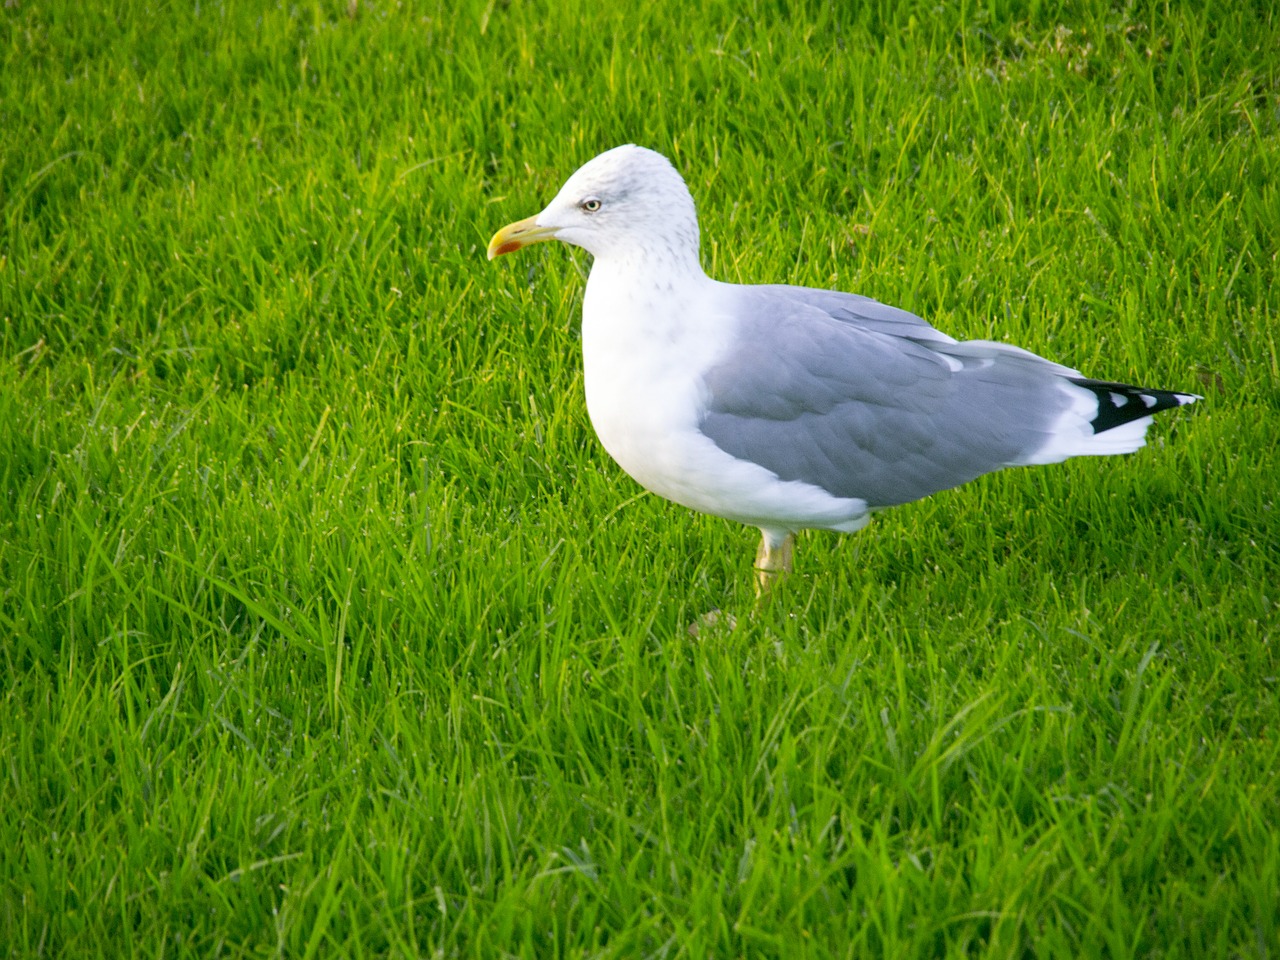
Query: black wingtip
x=1121, y=403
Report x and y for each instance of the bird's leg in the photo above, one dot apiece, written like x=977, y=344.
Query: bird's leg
x=773, y=560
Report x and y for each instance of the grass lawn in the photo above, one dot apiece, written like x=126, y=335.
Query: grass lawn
x=329, y=629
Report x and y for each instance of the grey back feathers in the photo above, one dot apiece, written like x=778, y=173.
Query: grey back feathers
x=854, y=308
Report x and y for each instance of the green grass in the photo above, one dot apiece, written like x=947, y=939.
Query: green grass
x=330, y=630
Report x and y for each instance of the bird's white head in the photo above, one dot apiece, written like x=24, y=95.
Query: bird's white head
x=628, y=202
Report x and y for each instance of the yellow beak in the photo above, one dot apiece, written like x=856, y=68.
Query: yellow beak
x=519, y=234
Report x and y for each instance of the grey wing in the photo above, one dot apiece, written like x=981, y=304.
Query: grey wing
x=861, y=413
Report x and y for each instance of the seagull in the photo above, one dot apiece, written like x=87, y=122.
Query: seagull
x=786, y=407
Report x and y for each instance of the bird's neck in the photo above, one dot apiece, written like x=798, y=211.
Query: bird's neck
x=646, y=269
x=628, y=299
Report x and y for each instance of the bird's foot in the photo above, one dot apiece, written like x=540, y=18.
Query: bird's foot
x=773, y=563
x=712, y=622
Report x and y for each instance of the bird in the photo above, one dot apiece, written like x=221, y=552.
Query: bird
x=786, y=407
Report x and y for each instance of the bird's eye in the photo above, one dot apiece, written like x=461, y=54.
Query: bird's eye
x=589, y=205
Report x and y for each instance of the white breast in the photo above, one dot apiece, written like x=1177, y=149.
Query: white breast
x=644, y=353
